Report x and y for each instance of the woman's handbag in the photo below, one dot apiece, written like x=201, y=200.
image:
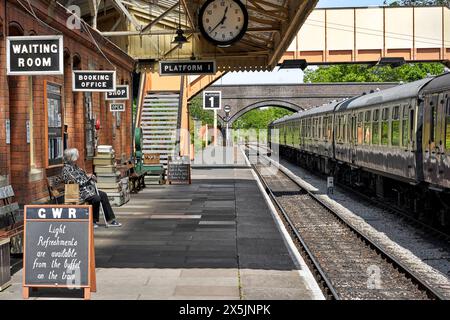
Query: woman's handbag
x=72, y=193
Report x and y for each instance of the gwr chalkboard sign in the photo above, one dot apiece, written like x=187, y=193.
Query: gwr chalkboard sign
x=178, y=171
x=58, y=248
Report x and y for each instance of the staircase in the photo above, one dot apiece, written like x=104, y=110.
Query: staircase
x=159, y=124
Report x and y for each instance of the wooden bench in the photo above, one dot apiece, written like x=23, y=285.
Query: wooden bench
x=10, y=225
x=11, y=233
x=55, y=185
x=137, y=181
x=56, y=188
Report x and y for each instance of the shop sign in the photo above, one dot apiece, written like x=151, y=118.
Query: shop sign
x=35, y=55
x=120, y=107
x=93, y=81
x=121, y=93
x=191, y=67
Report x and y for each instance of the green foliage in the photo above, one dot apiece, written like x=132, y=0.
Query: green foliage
x=196, y=111
x=364, y=73
x=260, y=118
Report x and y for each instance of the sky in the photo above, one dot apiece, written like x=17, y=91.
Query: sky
x=295, y=75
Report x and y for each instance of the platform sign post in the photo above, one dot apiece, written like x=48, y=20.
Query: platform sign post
x=58, y=248
x=212, y=100
x=227, y=110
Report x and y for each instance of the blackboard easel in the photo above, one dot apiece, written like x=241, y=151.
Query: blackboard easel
x=32, y=222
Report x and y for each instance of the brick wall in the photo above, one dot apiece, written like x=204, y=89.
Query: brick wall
x=28, y=180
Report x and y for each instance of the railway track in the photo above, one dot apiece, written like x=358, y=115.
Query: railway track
x=347, y=264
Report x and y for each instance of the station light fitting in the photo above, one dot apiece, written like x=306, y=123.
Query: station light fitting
x=180, y=38
x=294, y=64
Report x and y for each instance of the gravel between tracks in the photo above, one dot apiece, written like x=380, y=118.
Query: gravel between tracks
x=427, y=257
x=347, y=260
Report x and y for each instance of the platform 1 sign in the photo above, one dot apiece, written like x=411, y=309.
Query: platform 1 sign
x=93, y=81
x=190, y=67
x=121, y=93
x=212, y=100
x=58, y=248
x=34, y=55
x=117, y=107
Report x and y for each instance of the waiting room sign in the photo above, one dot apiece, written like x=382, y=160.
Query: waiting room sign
x=35, y=55
x=94, y=81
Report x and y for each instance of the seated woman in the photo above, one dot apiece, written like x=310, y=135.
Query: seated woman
x=71, y=173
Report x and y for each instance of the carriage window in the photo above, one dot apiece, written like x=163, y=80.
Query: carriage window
x=360, y=133
x=339, y=128
x=367, y=130
x=329, y=127
x=447, y=126
x=309, y=128
x=375, y=127
x=385, y=127
x=395, y=126
x=405, y=126
x=319, y=128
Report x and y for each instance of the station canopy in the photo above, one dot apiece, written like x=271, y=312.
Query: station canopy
x=145, y=29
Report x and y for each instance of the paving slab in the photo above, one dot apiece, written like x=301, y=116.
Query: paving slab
x=214, y=239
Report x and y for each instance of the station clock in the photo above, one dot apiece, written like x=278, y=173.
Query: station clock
x=223, y=22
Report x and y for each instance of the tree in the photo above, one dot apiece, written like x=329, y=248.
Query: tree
x=260, y=118
x=196, y=111
x=364, y=73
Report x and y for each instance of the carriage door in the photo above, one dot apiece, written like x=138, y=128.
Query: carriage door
x=432, y=138
x=443, y=165
x=353, y=137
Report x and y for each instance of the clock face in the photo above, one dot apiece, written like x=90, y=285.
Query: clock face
x=223, y=22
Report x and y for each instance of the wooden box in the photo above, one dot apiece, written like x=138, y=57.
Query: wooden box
x=151, y=158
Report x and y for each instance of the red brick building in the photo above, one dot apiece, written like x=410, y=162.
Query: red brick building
x=42, y=111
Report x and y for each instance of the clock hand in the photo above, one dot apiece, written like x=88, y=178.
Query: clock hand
x=221, y=21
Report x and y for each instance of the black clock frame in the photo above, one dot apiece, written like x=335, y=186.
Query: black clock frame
x=217, y=42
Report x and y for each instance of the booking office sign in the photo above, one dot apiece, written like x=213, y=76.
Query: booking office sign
x=34, y=55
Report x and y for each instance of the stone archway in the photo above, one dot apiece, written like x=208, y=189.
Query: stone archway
x=268, y=103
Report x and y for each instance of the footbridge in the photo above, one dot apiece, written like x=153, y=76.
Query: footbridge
x=294, y=97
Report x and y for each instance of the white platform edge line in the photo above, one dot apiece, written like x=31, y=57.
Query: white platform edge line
x=304, y=271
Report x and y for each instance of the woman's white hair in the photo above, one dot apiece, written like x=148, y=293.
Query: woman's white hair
x=71, y=155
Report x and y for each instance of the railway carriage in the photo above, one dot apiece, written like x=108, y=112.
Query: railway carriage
x=381, y=132
x=395, y=142
x=307, y=137
x=436, y=133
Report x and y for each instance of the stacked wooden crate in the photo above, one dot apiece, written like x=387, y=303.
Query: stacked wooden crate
x=154, y=169
x=108, y=178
